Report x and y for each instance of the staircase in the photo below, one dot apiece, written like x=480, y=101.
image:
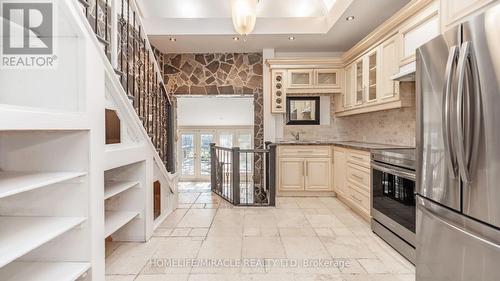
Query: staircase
x=64, y=187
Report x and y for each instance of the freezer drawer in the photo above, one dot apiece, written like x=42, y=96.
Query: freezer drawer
x=453, y=247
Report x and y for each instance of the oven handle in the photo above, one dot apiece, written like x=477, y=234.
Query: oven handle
x=395, y=171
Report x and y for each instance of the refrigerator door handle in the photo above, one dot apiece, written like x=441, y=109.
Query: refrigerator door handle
x=468, y=137
x=446, y=115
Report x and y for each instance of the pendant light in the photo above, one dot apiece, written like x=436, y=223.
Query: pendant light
x=244, y=14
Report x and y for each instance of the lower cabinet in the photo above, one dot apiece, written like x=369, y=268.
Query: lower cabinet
x=291, y=174
x=340, y=170
x=352, y=179
x=318, y=176
x=304, y=169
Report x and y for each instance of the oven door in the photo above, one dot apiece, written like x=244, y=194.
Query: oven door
x=393, y=199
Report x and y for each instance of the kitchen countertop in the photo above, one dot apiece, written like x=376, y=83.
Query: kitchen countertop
x=348, y=144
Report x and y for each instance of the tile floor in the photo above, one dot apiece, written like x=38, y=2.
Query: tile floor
x=206, y=239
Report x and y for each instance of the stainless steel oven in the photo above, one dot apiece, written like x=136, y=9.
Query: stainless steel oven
x=393, y=198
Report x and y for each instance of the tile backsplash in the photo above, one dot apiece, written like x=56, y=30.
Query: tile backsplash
x=397, y=126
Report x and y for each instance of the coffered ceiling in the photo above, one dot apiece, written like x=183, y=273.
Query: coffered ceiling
x=316, y=25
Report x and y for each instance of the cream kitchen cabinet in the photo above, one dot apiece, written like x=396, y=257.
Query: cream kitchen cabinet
x=303, y=169
x=300, y=78
x=352, y=179
x=348, y=96
x=291, y=174
x=327, y=78
x=340, y=171
x=418, y=30
x=389, y=66
x=372, y=75
x=317, y=177
x=456, y=11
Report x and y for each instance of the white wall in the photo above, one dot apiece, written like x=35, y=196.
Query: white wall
x=215, y=111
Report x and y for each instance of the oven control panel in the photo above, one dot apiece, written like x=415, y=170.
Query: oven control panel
x=278, y=91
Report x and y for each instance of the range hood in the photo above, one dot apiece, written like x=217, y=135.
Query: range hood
x=407, y=73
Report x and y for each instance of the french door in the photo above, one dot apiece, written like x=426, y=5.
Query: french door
x=195, y=154
x=194, y=150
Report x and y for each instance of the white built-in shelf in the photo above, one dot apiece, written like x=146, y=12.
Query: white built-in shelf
x=16, y=182
x=112, y=188
x=114, y=220
x=14, y=117
x=43, y=271
x=20, y=235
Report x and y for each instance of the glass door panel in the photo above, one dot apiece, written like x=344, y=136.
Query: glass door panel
x=372, y=77
x=188, y=155
x=226, y=140
x=205, y=140
x=359, y=82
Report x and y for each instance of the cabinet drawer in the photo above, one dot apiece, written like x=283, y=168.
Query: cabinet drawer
x=359, y=157
x=359, y=198
x=359, y=175
x=304, y=151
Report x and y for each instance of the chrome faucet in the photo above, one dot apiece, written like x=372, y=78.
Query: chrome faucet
x=296, y=135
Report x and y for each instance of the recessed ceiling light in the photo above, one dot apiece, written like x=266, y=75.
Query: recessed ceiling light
x=172, y=39
x=349, y=18
x=291, y=38
x=235, y=38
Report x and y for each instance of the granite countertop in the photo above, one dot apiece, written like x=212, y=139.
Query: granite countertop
x=349, y=144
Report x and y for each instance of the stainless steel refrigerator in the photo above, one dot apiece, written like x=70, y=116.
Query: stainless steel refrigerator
x=458, y=159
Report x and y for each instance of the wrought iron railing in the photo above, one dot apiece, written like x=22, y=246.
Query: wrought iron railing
x=238, y=176
x=118, y=28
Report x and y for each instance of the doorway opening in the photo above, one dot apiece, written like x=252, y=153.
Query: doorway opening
x=227, y=121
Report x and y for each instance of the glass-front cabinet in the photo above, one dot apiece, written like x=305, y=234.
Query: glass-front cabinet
x=327, y=78
x=359, y=81
x=373, y=70
x=300, y=78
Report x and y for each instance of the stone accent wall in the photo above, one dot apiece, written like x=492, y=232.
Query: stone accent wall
x=220, y=74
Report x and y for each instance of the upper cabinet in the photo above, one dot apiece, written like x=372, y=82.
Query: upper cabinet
x=327, y=78
x=389, y=66
x=373, y=76
x=359, y=89
x=456, y=11
x=308, y=75
x=418, y=30
x=300, y=78
x=314, y=78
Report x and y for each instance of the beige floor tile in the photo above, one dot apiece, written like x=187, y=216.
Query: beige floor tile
x=324, y=221
x=162, y=232
x=184, y=206
x=221, y=247
x=197, y=218
x=119, y=277
x=304, y=247
x=290, y=218
x=130, y=258
x=373, y=266
x=187, y=198
x=353, y=266
x=174, y=218
x=180, y=232
x=162, y=277
x=296, y=231
x=262, y=247
x=198, y=206
x=199, y=231
x=214, y=277
x=298, y=228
